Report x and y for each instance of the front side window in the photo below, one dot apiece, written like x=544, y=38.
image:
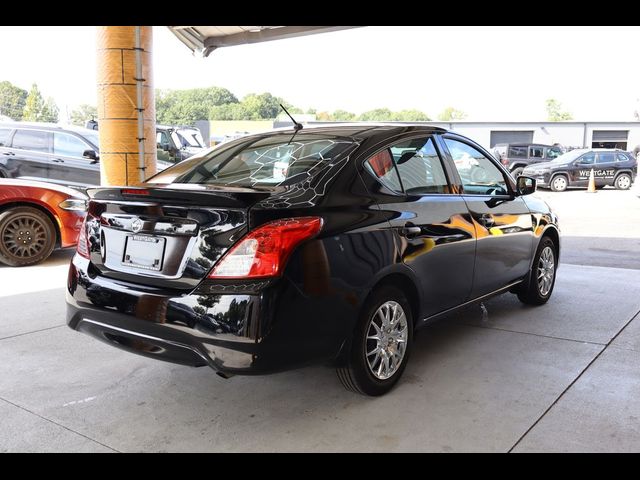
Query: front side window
x=34, y=140
x=479, y=175
x=536, y=152
x=587, y=159
x=267, y=161
x=606, y=157
x=68, y=145
x=4, y=136
x=553, y=153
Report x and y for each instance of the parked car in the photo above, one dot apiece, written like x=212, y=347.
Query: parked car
x=178, y=143
x=517, y=156
x=35, y=218
x=330, y=244
x=50, y=153
x=572, y=169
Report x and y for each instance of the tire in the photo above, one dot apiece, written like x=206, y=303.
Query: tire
x=25, y=224
x=537, y=291
x=559, y=183
x=623, y=181
x=516, y=172
x=371, y=377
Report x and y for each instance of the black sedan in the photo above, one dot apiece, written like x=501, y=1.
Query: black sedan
x=572, y=169
x=331, y=244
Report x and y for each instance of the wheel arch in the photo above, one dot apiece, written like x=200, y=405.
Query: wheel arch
x=43, y=209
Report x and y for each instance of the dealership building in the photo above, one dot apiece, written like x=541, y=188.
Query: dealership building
x=623, y=135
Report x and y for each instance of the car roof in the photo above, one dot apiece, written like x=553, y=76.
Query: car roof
x=356, y=129
x=48, y=126
x=523, y=144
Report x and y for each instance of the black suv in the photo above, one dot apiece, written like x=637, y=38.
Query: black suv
x=516, y=156
x=572, y=169
x=50, y=153
x=178, y=143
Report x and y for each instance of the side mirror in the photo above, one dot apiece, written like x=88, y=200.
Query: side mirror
x=91, y=155
x=526, y=185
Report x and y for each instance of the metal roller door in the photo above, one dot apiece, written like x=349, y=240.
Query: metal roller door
x=511, y=136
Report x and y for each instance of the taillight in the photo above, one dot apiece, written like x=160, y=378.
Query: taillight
x=264, y=251
x=83, y=240
x=135, y=191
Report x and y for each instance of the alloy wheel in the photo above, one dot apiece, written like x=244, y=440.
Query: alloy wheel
x=386, y=341
x=24, y=237
x=546, y=271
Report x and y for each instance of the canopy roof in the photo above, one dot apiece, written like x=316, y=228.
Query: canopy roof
x=204, y=40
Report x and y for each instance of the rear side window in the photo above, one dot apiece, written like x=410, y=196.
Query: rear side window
x=381, y=166
x=517, y=152
x=420, y=166
x=606, y=157
x=34, y=140
x=622, y=158
x=536, y=152
x=268, y=161
x=4, y=136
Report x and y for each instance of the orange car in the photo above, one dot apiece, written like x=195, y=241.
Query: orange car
x=35, y=218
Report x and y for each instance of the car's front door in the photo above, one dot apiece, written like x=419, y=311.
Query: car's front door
x=434, y=232
x=70, y=166
x=502, y=221
x=581, y=169
x=31, y=154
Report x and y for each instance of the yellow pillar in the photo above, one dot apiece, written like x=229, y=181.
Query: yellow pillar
x=117, y=104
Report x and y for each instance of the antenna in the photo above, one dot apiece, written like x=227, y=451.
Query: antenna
x=296, y=126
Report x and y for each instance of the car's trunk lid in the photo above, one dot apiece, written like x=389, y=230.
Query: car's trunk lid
x=166, y=236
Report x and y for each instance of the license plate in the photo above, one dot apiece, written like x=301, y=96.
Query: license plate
x=143, y=251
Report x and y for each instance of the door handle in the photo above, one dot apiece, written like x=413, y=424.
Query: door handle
x=410, y=230
x=57, y=160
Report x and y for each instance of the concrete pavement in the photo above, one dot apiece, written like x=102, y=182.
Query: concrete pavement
x=561, y=377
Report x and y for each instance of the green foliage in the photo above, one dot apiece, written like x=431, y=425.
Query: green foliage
x=555, y=112
x=410, y=116
x=378, y=114
x=451, y=113
x=12, y=100
x=81, y=115
x=185, y=107
x=343, y=116
x=37, y=109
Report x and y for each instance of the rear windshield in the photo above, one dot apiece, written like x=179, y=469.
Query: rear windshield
x=274, y=160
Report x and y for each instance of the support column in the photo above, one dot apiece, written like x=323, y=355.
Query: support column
x=119, y=92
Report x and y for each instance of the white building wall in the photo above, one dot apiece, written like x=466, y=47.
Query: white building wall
x=568, y=134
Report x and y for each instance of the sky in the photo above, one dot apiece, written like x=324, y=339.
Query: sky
x=491, y=73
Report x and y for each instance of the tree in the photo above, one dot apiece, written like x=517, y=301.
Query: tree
x=50, y=111
x=33, y=105
x=185, y=107
x=555, y=112
x=81, y=115
x=12, y=100
x=451, y=113
x=229, y=111
x=343, y=115
x=263, y=106
x=378, y=114
x=410, y=116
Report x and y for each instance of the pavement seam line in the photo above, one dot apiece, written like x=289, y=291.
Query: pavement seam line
x=536, y=334
x=633, y=317
x=58, y=424
x=29, y=333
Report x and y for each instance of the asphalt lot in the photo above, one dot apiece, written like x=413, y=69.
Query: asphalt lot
x=561, y=377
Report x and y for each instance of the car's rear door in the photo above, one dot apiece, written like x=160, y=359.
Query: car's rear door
x=31, y=151
x=430, y=220
x=502, y=221
x=605, y=168
x=69, y=166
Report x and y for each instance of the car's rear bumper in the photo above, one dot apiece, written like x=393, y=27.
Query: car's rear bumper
x=234, y=333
